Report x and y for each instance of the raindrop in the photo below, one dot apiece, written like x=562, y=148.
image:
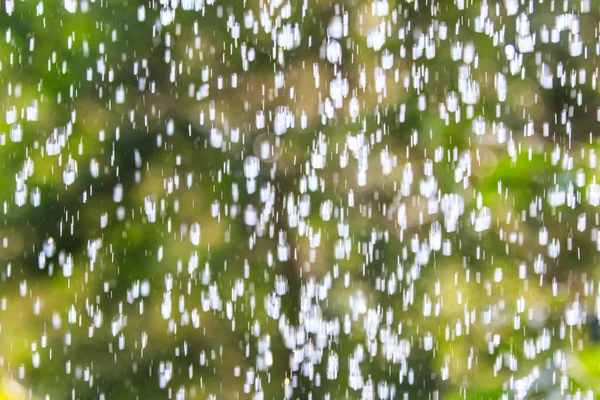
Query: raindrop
x=195, y=234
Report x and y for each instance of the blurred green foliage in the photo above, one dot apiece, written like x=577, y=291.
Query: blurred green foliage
x=92, y=335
